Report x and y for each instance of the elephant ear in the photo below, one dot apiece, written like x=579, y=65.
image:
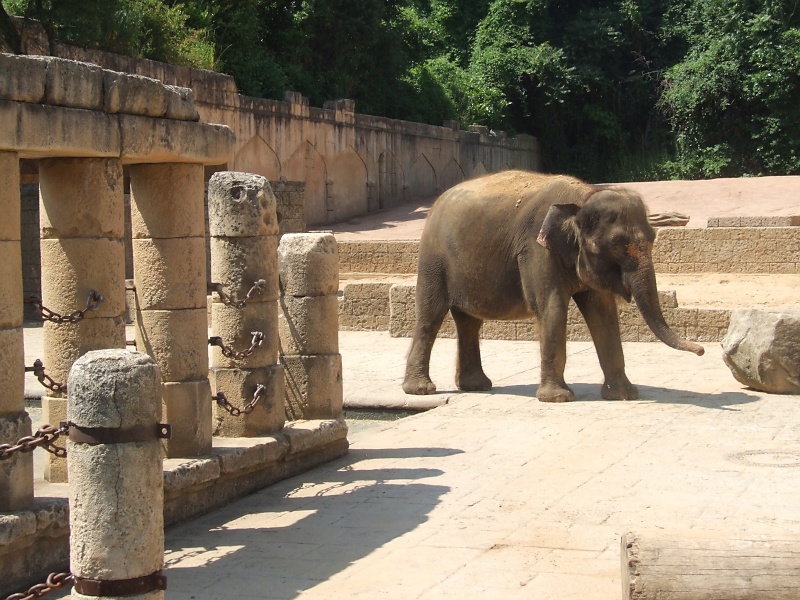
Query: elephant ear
x=558, y=230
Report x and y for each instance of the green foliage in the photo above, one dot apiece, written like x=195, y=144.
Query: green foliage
x=621, y=89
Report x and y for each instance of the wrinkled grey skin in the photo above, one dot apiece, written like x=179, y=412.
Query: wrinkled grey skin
x=517, y=244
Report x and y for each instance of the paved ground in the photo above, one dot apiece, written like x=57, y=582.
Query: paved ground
x=496, y=495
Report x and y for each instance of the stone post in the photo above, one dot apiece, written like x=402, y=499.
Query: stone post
x=243, y=227
x=16, y=474
x=116, y=492
x=309, y=325
x=81, y=218
x=169, y=272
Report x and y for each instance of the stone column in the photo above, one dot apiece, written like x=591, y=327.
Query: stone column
x=309, y=325
x=116, y=491
x=169, y=271
x=16, y=474
x=243, y=228
x=81, y=217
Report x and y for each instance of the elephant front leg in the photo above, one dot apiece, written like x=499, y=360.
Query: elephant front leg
x=553, y=348
x=417, y=379
x=469, y=370
x=599, y=309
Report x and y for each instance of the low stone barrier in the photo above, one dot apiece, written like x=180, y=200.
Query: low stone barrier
x=759, y=249
x=361, y=300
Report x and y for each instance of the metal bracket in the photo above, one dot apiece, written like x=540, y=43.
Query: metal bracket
x=121, y=587
x=116, y=435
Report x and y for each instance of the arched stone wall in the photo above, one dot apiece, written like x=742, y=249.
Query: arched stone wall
x=348, y=190
x=306, y=164
x=423, y=179
x=256, y=156
x=451, y=175
x=391, y=181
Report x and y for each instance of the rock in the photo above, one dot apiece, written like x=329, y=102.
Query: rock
x=668, y=219
x=762, y=349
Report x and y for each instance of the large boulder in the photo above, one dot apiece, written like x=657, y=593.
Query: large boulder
x=762, y=349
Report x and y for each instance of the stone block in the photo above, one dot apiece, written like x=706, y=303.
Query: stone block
x=12, y=371
x=308, y=264
x=762, y=349
x=72, y=267
x=235, y=327
x=244, y=459
x=10, y=202
x=170, y=273
x=72, y=84
x=16, y=474
x=81, y=198
x=115, y=532
x=23, y=79
x=309, y=324
x=180, y=104
x=241, y=205
x=39, y=130
x=54, y=411
x=135, y=95
x=311, y=435
x=167, y=201
x=177, y=340
x=187, y=407
x=11, y=288
x=147, y=140
x=313, y=386
x=66, y=342
x=239, y=387
x=237, y=263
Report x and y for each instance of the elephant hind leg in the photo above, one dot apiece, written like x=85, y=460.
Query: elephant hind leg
x=431, y=309
x=469, y=371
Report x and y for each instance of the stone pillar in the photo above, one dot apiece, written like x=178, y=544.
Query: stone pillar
x=116, y=491
x=81, y=217
x=309, y=325
x=16, y=474
x=243, y=227
x=169, y=271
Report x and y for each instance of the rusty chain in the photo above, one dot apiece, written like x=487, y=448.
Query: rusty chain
x=257, y=288
x=45, y=437
x=55, y=581
x=45, y=379
x=258, y=339
x=92, y=304
x=223, y=402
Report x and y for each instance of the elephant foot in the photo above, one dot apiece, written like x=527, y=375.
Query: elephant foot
x=622, y=389
x=473, y=382
x=550, y=392
x=419, y=387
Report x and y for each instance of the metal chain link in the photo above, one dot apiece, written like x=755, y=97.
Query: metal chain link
x=223, y=402
x=44, y=437
x=92, y=304
x=258, y=288
x=258, y=339
x=45, y=379
x=55, y=581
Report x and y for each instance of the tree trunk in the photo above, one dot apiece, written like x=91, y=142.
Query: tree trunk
x=709, y=566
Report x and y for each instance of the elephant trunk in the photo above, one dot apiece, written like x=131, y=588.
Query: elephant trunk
x=642, y=283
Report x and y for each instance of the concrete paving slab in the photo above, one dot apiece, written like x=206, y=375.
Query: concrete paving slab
x=498, y=495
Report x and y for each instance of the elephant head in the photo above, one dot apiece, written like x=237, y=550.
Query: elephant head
x=609, y=241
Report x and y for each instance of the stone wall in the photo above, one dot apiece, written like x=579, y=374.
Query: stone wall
x=351, y=163
x=676, y=250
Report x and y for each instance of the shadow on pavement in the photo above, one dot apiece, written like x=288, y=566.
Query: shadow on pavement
x=288, y=538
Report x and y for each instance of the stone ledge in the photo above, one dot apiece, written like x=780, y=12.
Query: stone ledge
x=762, y=249
x=35, y=542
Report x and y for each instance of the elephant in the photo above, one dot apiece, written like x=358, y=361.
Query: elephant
x=517, y=244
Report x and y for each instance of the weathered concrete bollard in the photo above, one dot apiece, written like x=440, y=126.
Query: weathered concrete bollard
x=116, y=492
x=309, y=325
x=243, y=226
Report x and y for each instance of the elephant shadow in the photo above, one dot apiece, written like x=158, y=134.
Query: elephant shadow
x=590, y=392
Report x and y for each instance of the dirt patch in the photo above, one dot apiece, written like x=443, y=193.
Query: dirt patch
x=732, y=290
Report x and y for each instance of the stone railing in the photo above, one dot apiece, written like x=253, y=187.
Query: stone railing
x=82, y=123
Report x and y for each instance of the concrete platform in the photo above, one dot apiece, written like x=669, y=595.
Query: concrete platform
x=496, y=495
